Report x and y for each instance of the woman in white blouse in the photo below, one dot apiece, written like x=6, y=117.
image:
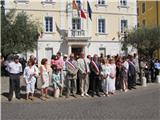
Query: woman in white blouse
x=106, y=71
x=30, y=74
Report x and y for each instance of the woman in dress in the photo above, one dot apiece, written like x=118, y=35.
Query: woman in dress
x=30, y=74
x=112, y=76
x=45, y=78
x=106, y=81
x=122, y=76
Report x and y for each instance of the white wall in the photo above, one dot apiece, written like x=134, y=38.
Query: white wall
x=112, y=48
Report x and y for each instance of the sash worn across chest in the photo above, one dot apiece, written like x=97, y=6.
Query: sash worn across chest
x=71, y=64
x=95, y=66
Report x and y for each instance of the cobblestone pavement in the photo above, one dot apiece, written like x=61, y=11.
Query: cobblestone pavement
x=142, y=103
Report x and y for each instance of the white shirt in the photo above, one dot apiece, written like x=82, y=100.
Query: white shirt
x=126, y=65
x=14, y=68
x=28, y=73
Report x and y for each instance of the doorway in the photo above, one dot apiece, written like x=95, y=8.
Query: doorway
x=77, y=51
x=48, y=54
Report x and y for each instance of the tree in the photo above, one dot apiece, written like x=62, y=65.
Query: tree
x=19, y=33
x=145, y=40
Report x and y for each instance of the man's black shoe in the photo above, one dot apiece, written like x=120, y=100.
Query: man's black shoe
x=67, y=96
x=18, y=97
x=129, y=88
x=92, y=95
x=9, y=99
x=98, y=95
x=74, y=95
x=133, y=87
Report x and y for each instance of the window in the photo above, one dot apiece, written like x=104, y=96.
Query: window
x=101, y=25
x=123, y=2
x=48, y=54
x=76, y=23
x=143, y=7
x=144, y=22
x=48, y=24
x=124, y=25
x=102, y=51
x=101, y=2
x=48, y=2
x=21, y=1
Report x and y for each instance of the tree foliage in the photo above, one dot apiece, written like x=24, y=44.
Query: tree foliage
x=19, y=34
x=146, y=40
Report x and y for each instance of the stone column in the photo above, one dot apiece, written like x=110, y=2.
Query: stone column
x=85, y=50
x=69, y=49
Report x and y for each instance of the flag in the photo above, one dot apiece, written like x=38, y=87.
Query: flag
x=89, y=10
x=82, y=14
x=74, y=5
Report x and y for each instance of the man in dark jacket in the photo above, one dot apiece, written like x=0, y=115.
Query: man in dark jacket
x=95, y=67
x=131, y=74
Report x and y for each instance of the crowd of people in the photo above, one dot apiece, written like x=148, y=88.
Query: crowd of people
x=86, y=75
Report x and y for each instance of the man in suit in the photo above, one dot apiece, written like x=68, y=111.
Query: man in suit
x=83, y=74
x=72, y=69
x=95, y=67
x=131, y=73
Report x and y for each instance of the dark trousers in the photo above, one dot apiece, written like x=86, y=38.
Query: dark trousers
x=36, y=84
x=131, y=80
x=90, y=83
x=96, y=84
x=14, y=85
x=71, y=86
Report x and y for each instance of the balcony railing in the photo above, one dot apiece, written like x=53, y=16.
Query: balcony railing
x=78, y=33
x=74, y=35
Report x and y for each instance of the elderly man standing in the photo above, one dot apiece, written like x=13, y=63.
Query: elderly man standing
x=83, y=74
x=72, y=69
x=15, y=69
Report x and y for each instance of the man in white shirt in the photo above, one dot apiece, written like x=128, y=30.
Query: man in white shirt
x=83, y=74
x=15, y=69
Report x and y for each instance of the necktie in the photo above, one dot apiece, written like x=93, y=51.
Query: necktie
x=85, y=65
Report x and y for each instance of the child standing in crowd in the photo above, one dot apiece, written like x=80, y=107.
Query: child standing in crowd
x=45, y=78
x=56, y=80
x=30, y=74
x=106, y=71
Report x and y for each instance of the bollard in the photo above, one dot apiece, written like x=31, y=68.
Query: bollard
x=144, y=81
x=158, y=79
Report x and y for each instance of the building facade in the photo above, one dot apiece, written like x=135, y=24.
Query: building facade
x=62, y=28
x=148, y=12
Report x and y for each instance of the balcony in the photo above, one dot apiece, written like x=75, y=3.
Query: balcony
x=78, y=33
x=74, y=35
